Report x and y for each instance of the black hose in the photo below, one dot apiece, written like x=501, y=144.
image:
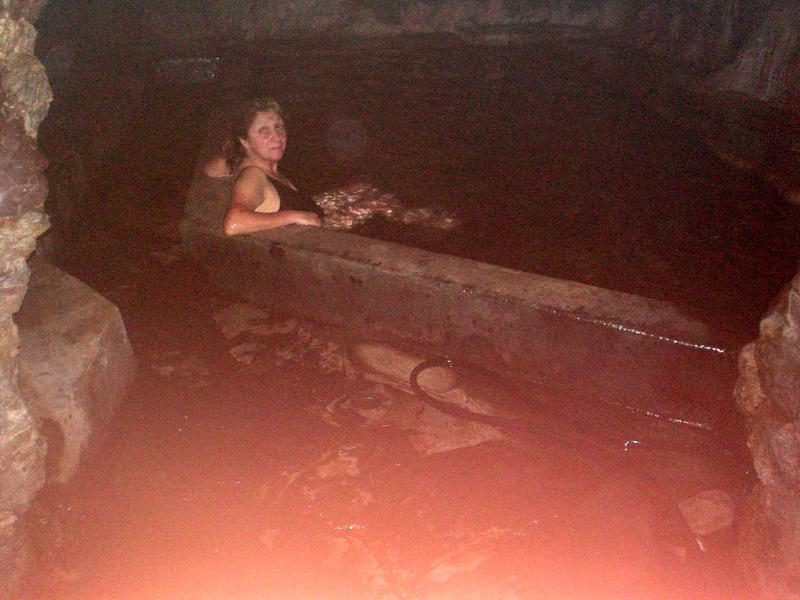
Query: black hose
x=614, y=459
x=519, y=427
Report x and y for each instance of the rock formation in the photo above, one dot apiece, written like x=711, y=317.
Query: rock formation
x=768, y=392
x=24, y=98
x=743, y=46
x=761, y=67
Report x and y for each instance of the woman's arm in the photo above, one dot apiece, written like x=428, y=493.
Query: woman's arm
x=248, y=193
x=239, y=221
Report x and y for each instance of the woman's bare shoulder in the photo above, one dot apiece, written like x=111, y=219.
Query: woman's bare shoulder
x=251, y=174
x=249, y=187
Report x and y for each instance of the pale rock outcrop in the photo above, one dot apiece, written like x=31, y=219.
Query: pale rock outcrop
x=75, y=362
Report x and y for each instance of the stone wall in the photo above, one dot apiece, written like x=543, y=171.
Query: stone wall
x=24, y=98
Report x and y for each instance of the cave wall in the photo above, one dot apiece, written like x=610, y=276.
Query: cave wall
x=765, y=63
x=706, y=35
x=768, y=392
x=24, y=98
x=743, y=46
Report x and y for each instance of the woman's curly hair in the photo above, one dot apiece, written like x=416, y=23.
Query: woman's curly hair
x=241, y=119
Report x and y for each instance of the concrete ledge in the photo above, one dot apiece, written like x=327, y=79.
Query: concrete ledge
x=75, y=361
x=581, y=347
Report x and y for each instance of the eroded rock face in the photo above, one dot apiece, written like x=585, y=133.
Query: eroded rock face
x=768, y=392
x=22, y=9
x=24, y=98
x=26, y=93
x=744, y=46
x=706, y=34
x=21, y=448
x=22, y=180
x=22, y=192
x=762, y=67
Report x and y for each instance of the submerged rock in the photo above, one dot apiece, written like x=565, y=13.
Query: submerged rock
x=239, y=318
x=430, y=431
x=708, y=511
x=24, y=90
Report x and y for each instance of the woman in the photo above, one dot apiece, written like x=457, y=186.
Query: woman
x=262, y=198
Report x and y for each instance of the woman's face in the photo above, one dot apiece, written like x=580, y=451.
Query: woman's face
x=266, y=137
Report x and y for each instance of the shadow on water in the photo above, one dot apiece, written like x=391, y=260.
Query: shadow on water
x=221, y=479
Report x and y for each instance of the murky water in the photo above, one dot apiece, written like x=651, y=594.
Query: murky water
x=553, y=166
x=547, y=158
x=222, y=480
x=256, y=460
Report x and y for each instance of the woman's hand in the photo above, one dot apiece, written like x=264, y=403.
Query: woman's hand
x=305, y=218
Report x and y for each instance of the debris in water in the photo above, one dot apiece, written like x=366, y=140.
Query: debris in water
x=245, y=353
x=351, y=206
x=393, y=367
x=351, y=552
x=708, y=512
x=344, y=463
x=433, y=431
x=386, y=364
x=171, y=364
x=361, y=499
x=467, y=556
x=303, y=340
x=350, y=527
x=439, y=433
x=273, y=492
x=238, y=318
x=309, y=342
